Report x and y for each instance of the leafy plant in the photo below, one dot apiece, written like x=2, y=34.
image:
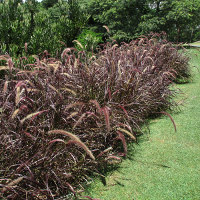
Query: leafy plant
x=88, y=40
x=42, y=29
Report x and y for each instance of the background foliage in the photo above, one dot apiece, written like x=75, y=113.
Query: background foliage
x=43, y=26
x=52, y=25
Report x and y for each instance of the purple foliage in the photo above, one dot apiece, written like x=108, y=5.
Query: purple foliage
x=92, y=104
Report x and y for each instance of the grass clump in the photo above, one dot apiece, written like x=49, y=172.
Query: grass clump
x=63, y=119
x=166, y=164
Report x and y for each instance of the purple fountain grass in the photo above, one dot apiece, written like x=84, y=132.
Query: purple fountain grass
x=63, y=119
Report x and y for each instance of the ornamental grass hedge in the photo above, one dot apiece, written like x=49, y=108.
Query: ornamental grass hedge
x=63, y=119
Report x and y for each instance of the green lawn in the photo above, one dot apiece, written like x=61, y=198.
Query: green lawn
x=194, y=44
x=165, y=164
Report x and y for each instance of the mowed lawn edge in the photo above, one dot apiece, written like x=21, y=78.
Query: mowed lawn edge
x=165, y=164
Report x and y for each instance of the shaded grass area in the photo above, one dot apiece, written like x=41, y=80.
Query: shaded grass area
x=165, y=164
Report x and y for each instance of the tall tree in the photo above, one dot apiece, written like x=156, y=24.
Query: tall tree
x=49, y=3
x=71, y=21
x=14, y=24
x=122, y=17
x=180, y=19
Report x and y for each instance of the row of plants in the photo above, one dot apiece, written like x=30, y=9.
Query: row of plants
x=64, y=120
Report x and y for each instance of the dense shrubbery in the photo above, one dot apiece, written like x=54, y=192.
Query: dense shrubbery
x=63, y=119
x=53, y=25
x=132, y=18
x=88, y=41
x=51, y=29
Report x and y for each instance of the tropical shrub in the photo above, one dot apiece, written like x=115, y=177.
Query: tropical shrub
x=45, y=35
x=14, y=23
x=42, y=29
x=88, y=40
